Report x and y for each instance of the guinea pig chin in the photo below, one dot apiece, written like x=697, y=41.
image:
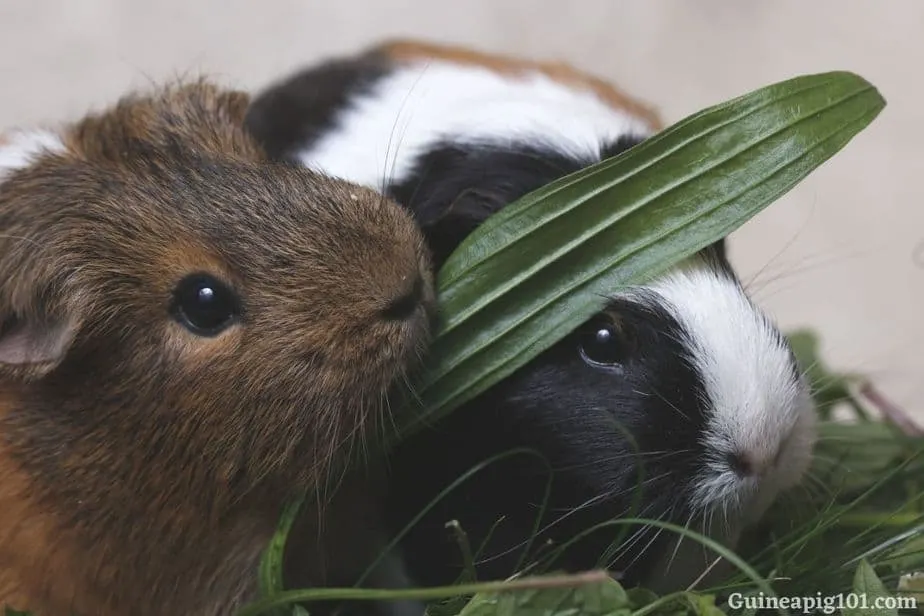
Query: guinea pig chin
x=759, y=426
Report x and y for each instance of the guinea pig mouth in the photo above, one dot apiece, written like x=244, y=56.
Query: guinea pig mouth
x=740, y=500
x=724, y=490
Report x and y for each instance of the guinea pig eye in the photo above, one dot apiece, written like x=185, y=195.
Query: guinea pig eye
x=204, y=305
x=601, y=344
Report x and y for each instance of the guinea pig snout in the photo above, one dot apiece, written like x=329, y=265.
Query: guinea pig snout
x=753, y=463
x=405, y=302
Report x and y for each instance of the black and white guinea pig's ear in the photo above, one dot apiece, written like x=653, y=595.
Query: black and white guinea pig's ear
x=32, y=345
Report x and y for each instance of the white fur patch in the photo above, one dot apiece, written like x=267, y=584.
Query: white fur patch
x=20, y=148
x=381, y=133
x=757, y=406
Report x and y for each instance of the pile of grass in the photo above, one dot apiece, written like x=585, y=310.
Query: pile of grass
x=543, y=265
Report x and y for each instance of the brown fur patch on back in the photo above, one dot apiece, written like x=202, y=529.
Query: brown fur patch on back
x=406, y=50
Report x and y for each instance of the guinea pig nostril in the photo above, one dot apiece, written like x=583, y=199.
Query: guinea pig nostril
x=405, y=305
x=740, y=464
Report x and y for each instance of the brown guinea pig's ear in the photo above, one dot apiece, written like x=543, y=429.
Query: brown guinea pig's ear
x=32, y=348
x=29, y=347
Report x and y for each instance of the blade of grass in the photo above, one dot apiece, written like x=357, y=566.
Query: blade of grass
x=270, y=578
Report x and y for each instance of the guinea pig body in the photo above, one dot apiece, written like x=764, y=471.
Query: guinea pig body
x=681, y=401
x=191, y=335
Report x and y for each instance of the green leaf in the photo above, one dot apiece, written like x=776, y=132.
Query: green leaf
x=8, y=611
x=854, y=456
x=640, y=597
x=703, y=605
x=867, y=584
x=541, y=266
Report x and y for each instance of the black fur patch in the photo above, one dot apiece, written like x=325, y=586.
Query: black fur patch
x=294, y=113
x=453, y=188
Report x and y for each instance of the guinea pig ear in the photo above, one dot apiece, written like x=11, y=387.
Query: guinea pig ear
x=30, y=348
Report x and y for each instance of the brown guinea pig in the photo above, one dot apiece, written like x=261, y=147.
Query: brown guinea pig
x=190, y=335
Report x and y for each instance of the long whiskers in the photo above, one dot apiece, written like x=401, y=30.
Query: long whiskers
x=670, y=404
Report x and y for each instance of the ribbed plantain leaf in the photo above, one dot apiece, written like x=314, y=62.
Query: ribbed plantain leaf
x=543, y=265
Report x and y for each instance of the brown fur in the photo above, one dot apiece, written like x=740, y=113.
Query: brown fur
x=413, y=50
x=143, y=468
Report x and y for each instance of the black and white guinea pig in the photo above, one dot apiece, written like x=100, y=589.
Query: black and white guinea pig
x=681, y=393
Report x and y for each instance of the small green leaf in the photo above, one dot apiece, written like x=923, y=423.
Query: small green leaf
x=299, y=610
x=541, y=266
x=866, y=584
x=860, y=452
x=640, y=597
x=703, y=605
x=8, y=611
x=448, y=607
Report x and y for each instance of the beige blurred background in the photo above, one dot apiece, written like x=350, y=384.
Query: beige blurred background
x=843, y=253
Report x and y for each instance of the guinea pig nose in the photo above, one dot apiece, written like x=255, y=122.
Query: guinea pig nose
x=404, y=306
x=742, y=464
x=749, y=464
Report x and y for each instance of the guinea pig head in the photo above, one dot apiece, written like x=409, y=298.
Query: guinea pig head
x=184, y=321
x=680, y=393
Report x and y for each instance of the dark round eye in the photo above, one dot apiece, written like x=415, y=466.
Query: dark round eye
x=601, y=343
x=204, y=305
